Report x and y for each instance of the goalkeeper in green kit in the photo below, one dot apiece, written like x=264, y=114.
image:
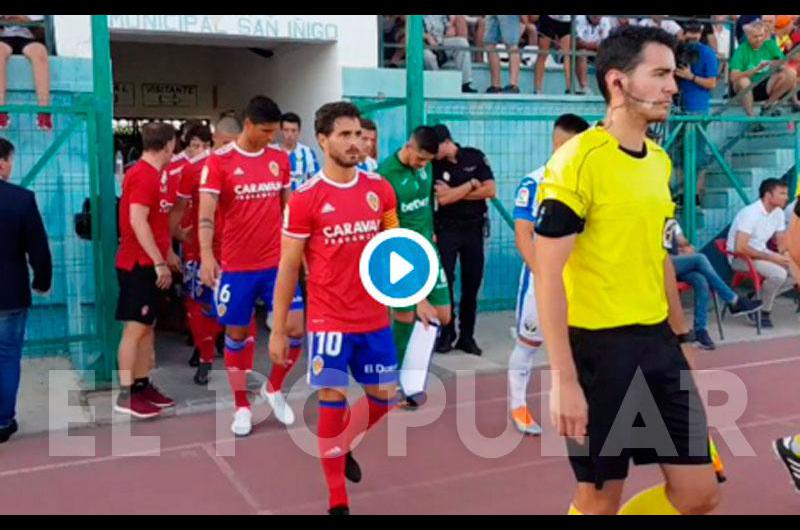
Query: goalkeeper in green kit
x=405, y=171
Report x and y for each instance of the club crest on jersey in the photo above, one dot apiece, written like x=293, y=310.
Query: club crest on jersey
x=274, y=168
x=317, y=365
x=373, y=201
x=222, y=309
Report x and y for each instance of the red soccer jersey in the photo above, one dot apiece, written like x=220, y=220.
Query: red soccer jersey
x=249, y=186
x=145, y=185
x=175, y=168
x=338, y=221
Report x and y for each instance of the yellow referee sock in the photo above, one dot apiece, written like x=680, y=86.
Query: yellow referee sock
x=653, y=501
x=573, y=510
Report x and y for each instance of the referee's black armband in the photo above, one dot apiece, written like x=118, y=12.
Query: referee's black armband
x=797, y=208
x=555, y=220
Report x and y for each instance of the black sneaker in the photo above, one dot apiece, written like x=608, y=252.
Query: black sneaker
x=351, y=469
x=703, y=340
x=194, y=360
x=221, y=345
x=745, y=306
x=339, y=510
x=511, y=89
x=766, y=319
x=494, y=90
x=8, y=431
x=201, y=376
x=466, y=88
x=444, y=344
x=469, y=346
x=792, y=462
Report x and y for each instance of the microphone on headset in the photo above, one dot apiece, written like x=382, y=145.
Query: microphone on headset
x=648, y=102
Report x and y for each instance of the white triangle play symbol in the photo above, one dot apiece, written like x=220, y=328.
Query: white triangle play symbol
x=399, y=268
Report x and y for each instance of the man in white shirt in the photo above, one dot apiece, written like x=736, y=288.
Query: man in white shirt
x=752, y=229
x=590, y=30
x=18, y=40
x=660, y=21
x=369, y=140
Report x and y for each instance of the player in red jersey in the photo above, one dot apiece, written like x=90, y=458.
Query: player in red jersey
x=250, y=184
x=143, y=267
x=329, y=222
x=199, y=299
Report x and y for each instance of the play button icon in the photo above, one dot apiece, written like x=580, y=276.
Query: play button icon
x=399, y=268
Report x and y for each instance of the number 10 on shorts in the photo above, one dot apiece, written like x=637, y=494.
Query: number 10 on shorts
x=327, y=343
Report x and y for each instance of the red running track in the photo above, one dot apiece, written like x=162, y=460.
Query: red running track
x=269, y=474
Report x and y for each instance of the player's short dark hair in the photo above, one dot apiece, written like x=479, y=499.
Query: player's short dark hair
x=571, y=123
x=426, y=139
x=200, y=131
x=156, y=135
x=623, y=50
x=326, y=116
x=770, y=185
x=6, y=149
x=442, y=132
x=262, y=109
x=368, y=125
x=291, y=117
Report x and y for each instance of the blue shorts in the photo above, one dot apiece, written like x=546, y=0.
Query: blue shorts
x=194, y=288
x=370, y=357
x=236, y=294
x=503, y=29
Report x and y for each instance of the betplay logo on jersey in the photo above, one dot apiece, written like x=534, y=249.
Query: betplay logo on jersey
x=415, y=205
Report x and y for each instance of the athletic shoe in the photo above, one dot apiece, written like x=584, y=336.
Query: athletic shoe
x=154, y=396
x=242, y=422
x=494, y=90
x=5, y=121
x=44, y=122
x=351, y=469
x=766, y=319
x=703, y=340
x=8, y=431
x=469, y=346
x=135, y=405
x=525, y=423
x=194, y=361
x=201, y=376
x=339, y=510
x=511, y=89
x=744, y=306
x=784, y=452
x=283, y=412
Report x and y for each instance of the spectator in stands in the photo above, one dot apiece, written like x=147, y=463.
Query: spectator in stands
x=741, y=22
x=503, y=29
x=720, y=41
x=24, y=242
x=394, y=33
x=590, y=30
x=530, y=33
x=694, y=268
x=752, y=230
x=697, y=71
x=788, y=35
x=554, y=29
x=440, y=30
x=661, y=21
x=476, y=30
x=15, y=40
x=302, y=158
x=758, y=63
x=369, y=140
x=769, y=22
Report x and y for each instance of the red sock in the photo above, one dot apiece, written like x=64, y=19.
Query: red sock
x=206, y=336
x=278, y=373
x=238, y=361
x=331, y=440
x=364, y=415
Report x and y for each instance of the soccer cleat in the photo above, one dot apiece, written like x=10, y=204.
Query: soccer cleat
x=194, y=361
x=283, y=412
x=201, y=376
x=242, y=422
x=339, y=510
x=525, y=423
x=351, y=469
x=789, y=458
x=154, y=396
x=719, y=467
x=8, y=431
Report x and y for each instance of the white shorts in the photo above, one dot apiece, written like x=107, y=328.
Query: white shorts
x=527, y=313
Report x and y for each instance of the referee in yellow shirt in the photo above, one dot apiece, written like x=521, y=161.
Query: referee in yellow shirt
x=608, y=299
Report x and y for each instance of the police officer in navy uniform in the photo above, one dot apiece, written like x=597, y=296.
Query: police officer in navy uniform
x=463, y=181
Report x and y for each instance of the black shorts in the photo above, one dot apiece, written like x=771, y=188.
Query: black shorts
x=760, y=91
x=17, y=44
x=139, y=297
x=638, y=377
x=553, y=28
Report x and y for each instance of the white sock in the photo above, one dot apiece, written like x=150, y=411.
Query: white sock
x=520, y=367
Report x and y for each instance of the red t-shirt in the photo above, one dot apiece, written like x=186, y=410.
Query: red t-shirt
x=249, y=186
x=147, y=186
x=338, y=221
